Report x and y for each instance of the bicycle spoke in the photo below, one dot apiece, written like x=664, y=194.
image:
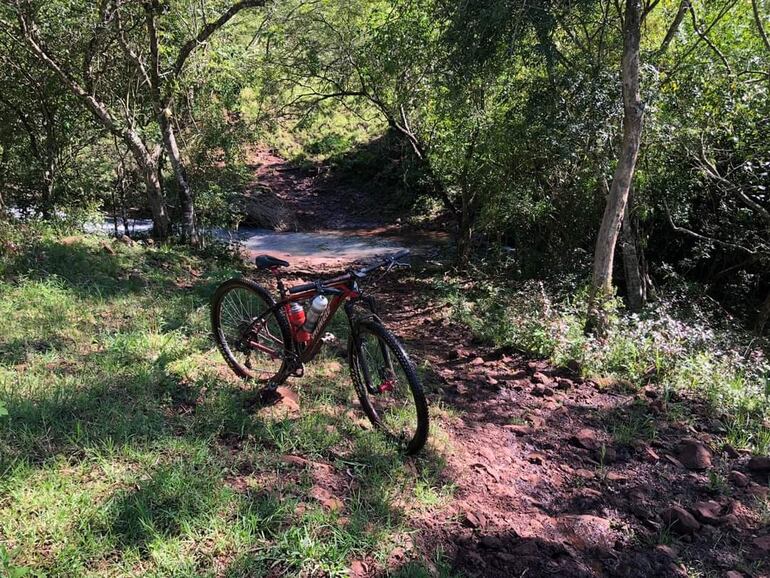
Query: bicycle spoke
x=239, y=309
x=392, y=401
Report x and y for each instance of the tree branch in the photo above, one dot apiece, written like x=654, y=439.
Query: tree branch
x=700, y=237
x=704, y=36
x=760, y=26
x=672, y=30
x=208, y=30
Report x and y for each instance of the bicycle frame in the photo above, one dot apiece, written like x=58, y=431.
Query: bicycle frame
x=306, y=351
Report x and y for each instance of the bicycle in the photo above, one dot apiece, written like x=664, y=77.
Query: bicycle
x=251, y=327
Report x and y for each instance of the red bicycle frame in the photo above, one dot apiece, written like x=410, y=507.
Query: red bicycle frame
x=342, y=291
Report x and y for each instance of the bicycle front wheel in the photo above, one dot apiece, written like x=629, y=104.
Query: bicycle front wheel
x=388, y=386
x=252, y=335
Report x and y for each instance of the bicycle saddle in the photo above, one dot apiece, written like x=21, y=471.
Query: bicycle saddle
x=267, y=262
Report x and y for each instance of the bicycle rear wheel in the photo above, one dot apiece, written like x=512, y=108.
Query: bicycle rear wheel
x=388, y=386
x=251, y=334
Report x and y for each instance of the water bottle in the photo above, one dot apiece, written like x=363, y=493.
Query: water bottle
x=296, y=315
x=317, y=307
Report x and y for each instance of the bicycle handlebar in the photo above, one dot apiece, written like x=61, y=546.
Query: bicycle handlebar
x=347, y=276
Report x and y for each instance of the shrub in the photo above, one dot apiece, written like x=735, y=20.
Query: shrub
x=680, y=343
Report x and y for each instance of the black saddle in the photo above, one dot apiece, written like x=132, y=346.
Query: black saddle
x=268, y=262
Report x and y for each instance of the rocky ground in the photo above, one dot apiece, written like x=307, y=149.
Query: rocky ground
x=557, y=475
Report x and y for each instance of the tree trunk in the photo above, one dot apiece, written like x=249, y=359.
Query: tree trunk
x=189, y=228
x=146, y=162
x=148, y=167
x=633, y=113
x=464, y=239
x=635, y=287
x=3, y=170
x=763, y=317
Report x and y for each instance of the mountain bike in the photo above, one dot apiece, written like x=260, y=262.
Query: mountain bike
x=267, y=341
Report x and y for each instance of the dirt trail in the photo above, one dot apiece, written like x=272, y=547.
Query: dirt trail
x=318, y=201
x=336, y=223
x=556, y=475
x=559, y=476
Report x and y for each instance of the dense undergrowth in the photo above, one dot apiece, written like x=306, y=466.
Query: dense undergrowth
x=684, y=343
x=127, y=449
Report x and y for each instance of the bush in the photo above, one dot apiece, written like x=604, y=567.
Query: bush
x=680, y=344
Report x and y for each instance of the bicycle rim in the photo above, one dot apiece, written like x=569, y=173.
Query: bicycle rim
x=386, y=385
x=251, y=335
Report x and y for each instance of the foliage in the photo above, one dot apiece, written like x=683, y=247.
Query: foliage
x=684, y=345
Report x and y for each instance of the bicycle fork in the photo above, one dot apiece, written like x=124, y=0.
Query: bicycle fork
x=385, y=380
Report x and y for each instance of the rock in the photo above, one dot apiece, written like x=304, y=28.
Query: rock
x=326, y=499
x=538, y=422
x=587, y=438
x=289, y=399
x=731, y=452
x=694, y=455
x=651, y=392
x=519, y=429
x=536, y=458
x=477, y=361
x=759, y=464
x=540, y=377
x=474, y=519
x=738, y=479
x=709, y=512
x=574, y=366
x=586, y=532
x=563, y=384
x=69, y=241
x=357, y=569
x=107, y=248
x=514, y=376
x=680, y=520
x=758, y=490
x=491, y=380
x=734, y=574
x=538, y=390
x=126, y=240
x=762, y=543
x=458, y=353
x=667, y=551
x=606, y=455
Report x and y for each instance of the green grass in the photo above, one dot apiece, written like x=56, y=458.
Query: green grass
x=129, y=450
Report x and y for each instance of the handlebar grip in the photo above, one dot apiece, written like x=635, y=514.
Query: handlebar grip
x=301, y=288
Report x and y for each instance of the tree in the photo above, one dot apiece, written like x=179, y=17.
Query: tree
x=40, y=135
x=633, y=114
x=106, y=31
